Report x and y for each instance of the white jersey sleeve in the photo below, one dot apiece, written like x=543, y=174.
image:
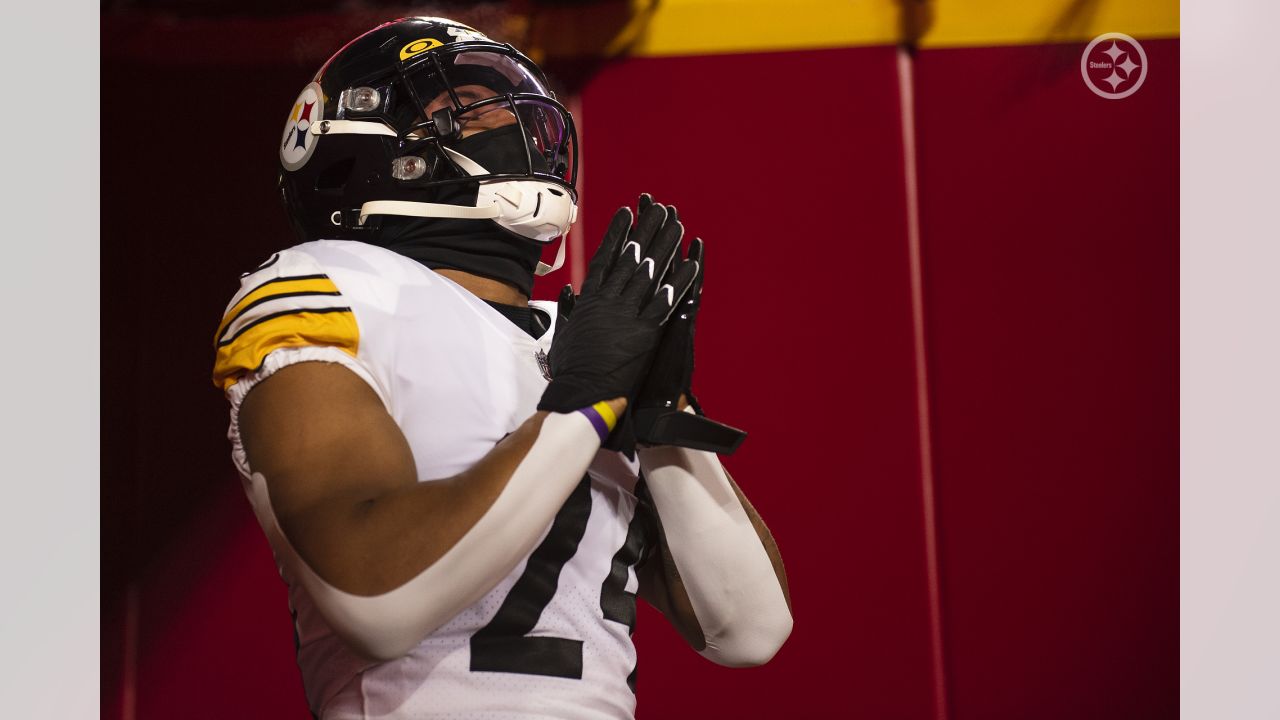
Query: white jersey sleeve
x=287, y=310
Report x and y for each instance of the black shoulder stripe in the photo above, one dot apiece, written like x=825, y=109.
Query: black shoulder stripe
x=272, y=316
x=268, y=298
x=317, y=276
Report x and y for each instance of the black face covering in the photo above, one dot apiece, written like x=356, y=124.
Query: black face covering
x=501, y=150
x=479, y=247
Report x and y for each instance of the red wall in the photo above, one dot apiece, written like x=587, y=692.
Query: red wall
x=1049, y=242
x=1049, y=254
x=1050, y=223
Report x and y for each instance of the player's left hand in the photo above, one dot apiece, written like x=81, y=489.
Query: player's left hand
x=658, y=417
x=671, y=375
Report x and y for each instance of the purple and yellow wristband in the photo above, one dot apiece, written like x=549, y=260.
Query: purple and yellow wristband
x=602, y=418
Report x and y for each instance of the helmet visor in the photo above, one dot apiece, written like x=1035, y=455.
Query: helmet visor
x=461, y=96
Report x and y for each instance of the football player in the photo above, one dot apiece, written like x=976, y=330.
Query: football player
x=425, y=448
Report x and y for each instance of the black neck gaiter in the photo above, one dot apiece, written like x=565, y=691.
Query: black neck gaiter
x=478, y=247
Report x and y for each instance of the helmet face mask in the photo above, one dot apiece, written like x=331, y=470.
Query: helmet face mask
x=407, y=113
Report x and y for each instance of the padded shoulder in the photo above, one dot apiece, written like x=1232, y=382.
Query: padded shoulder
x=288, y=301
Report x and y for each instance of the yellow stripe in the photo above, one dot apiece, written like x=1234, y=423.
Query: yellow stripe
x=967, y=23
x=275, y=288
x=606, y=414
x=334, y=329
x=703, y=27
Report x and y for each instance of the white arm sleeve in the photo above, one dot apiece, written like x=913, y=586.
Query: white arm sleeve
x=389, y=625
x=722, y=562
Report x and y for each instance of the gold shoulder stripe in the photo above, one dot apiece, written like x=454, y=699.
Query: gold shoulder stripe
x=247, y=349
x=277, y=287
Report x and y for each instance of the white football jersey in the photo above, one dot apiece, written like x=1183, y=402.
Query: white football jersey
x=552, y=639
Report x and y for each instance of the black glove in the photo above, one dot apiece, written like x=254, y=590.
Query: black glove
x=657, y=417
x=605, y=349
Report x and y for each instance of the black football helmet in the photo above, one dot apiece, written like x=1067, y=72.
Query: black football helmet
x=414, y=110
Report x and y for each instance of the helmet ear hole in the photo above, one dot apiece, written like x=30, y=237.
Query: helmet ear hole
x=334, y=177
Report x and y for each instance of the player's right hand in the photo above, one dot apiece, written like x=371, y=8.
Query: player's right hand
x=603, y=351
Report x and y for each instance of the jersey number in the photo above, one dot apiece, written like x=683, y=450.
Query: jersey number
x=504, y=645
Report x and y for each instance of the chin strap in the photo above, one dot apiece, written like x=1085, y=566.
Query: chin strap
x=351, y=127
x=544, y=268
x=427, y=210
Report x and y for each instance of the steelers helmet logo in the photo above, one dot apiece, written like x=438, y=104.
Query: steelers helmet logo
x=298, y=143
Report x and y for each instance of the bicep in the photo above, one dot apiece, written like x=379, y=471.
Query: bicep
x=325, y=445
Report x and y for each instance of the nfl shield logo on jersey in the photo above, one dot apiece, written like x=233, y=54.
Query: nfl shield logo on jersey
x=543, y=365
